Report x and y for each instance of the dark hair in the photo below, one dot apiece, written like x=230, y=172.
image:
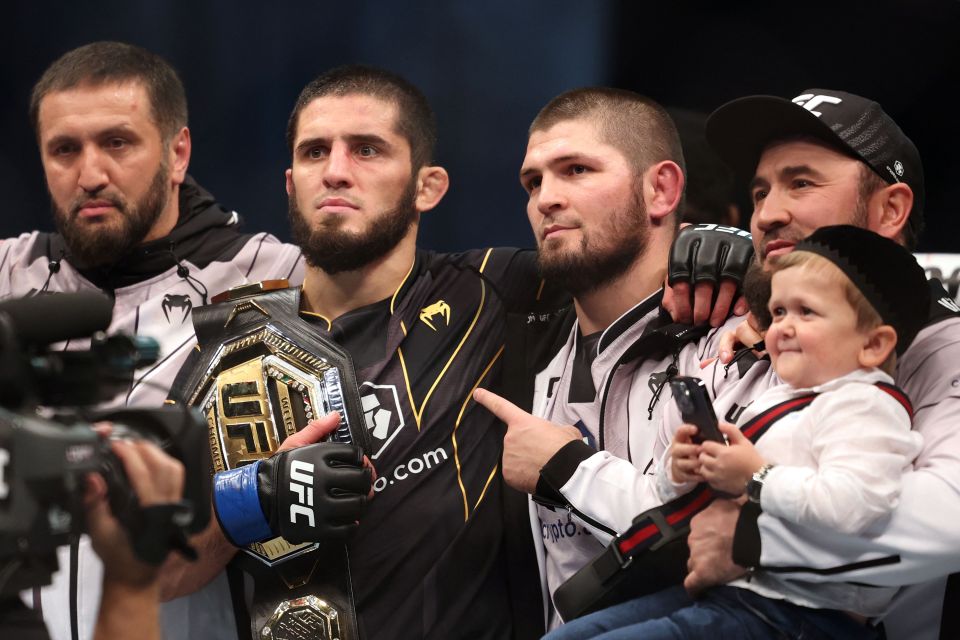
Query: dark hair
x=101, y=63
x=415, y=119
x=636, y=125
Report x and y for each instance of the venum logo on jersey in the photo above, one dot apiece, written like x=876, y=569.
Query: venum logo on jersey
x=381, y=409
x=176, y=307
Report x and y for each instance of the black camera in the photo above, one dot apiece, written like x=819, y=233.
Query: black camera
x=48, y=444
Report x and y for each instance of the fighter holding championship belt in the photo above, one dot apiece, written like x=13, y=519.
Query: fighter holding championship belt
x=262, y=375
x=430, y=557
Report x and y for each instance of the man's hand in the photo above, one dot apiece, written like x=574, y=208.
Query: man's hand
x=129, y=606
x=705, y=255
x=157, y=479
x=747, y=334
x=711, y=547
x=318, y=429
x=728, y=467
x=315, y=431
x=307, y=491
x=530, y=441
x=677, y=298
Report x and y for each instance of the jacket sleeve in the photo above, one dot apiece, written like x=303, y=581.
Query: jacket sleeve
x=602, y=491
x=605, y=492
x=861, y=440
x=921, y=541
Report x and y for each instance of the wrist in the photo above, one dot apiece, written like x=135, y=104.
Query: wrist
x=237, y=505
x=144, y=587
x=754, y=486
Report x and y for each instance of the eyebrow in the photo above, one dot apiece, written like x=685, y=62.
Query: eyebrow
x=524, y=172
x=354, y=138
x=786, y=173
x=115, y=130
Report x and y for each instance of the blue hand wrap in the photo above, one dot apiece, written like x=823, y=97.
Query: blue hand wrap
x=237, y=505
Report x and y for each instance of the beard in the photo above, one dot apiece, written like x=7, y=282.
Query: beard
x=756, y=291
x=330, y=248
x=95, y=245
x=592, y=266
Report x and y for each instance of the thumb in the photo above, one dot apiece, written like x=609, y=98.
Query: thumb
x=734, y=435
x=498, y=406
x=315, y=431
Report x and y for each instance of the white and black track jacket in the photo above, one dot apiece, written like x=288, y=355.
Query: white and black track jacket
x=602, y=481
x=155, y=288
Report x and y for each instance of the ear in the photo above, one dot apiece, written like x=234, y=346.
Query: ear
x=180, y=147
x=432, y=184
x=889, y=209
x=877, y=346
x=289, y=176
x=662, y=189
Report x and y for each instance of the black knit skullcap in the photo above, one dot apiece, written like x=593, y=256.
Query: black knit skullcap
x=886, y=274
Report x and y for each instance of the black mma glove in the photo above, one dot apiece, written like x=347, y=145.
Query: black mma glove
x=709, y=253
x=308, y=494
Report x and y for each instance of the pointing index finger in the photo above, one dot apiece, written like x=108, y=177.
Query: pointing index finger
x=498, y=406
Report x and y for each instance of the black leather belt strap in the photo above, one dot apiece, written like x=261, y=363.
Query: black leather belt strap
x=307, y=595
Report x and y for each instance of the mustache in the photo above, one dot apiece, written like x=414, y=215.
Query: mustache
x=114, y=200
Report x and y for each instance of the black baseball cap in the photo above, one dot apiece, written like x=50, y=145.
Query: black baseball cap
x=741, y=129
x=887, y=275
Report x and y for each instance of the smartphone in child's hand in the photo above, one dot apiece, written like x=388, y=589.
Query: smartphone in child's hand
x=693, y=400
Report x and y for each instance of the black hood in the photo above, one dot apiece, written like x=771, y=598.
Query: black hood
x=205, y=231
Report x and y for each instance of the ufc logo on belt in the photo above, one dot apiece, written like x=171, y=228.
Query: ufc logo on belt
x=301, y=484
x=810, y=102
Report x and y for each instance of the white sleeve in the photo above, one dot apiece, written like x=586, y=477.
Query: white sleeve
x=861, y=440
x=609, y=491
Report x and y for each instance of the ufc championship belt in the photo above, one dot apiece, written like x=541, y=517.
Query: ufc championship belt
x=263, y=374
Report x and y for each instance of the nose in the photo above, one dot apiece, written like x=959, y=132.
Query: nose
x=550, y=196
x=772, y=211
x=785, y=326
x=93, y=171
x=336, y=172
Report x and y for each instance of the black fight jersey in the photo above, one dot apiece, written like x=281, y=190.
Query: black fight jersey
x=428, y=558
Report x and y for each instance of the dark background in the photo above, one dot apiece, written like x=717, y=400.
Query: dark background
x=487, y=66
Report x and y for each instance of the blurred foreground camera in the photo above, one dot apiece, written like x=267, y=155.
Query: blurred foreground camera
x=48, y=444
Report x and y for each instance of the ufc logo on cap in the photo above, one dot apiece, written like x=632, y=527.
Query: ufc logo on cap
x=810, y=102
x=301, y=483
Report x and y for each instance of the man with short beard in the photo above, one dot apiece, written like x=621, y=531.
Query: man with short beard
x=424, y=329
x=604, y=176
x=111, y=124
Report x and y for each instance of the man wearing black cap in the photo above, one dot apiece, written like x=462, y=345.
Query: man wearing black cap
x=829, y=157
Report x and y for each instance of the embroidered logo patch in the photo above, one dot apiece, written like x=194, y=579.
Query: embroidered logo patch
x=182, y=304
x=429, y=313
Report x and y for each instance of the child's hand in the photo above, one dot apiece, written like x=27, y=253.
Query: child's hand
x=685, y=456
x=728, y=468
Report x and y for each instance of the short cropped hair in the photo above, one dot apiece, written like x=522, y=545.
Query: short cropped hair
x=867, y=316
x=415, y=119
x=107, y=62
x=633, y=124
